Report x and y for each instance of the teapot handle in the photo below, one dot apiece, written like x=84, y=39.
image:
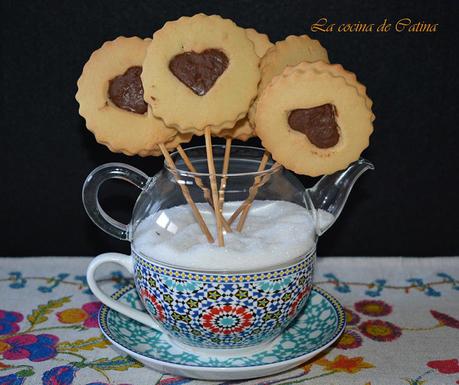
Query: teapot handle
x=91, y=200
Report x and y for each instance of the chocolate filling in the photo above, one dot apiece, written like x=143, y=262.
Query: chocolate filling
x=126, y=91
x=199, y=71
x=317, y=123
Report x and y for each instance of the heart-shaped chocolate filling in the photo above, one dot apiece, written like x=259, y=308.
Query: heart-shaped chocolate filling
x=199, y=71
x=317, y=123
x=126, y=91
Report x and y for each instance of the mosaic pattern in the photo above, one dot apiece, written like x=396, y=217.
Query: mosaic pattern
x=218, y=310
x=224, y=278
x=319, y=323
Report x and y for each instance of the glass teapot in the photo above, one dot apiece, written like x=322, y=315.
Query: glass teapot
x=179, y=186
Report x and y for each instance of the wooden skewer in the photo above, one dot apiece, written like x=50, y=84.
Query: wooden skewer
x=226, y=159
x=190, y=166
x=245, y=206
x=200, y=184
x=186, y=194
x=255, y=187
x=213, y=186
x=252, y=196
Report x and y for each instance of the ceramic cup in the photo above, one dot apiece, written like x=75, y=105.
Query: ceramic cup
x=212, y=310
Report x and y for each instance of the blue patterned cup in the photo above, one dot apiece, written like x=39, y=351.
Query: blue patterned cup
x=212, y=310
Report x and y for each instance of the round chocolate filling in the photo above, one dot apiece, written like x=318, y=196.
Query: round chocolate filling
x=199, y=71
x=126, y=91
x=317, y=123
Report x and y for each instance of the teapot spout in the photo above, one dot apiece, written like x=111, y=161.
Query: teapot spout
x=331, y=192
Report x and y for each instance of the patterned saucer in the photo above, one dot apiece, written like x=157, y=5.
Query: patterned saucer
x=317, y=327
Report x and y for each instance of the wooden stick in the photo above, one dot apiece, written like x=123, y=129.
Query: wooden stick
x=252, y=195
x=190, y=166
x=213, y=186
x=245, y=206
x=256, y=186
x=226, y=159
x=200, y=184
x=186, y=194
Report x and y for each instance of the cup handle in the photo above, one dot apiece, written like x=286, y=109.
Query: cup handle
x=91, y=189
x=125, y=261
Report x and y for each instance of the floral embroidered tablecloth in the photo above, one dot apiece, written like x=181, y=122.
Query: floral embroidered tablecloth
x=402, y=325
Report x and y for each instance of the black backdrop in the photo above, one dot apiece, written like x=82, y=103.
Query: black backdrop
x=408, y=206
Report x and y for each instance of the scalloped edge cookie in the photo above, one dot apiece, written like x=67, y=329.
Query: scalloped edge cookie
x=229, y=98
x=307, y=89
x=118, y=129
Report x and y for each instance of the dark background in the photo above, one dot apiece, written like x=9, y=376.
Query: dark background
x=408, y=206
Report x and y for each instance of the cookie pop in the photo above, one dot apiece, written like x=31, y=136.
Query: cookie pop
x=200, y=75
x=315, y=119
x=110, y=98
x=110, y=94
x=327, y=143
